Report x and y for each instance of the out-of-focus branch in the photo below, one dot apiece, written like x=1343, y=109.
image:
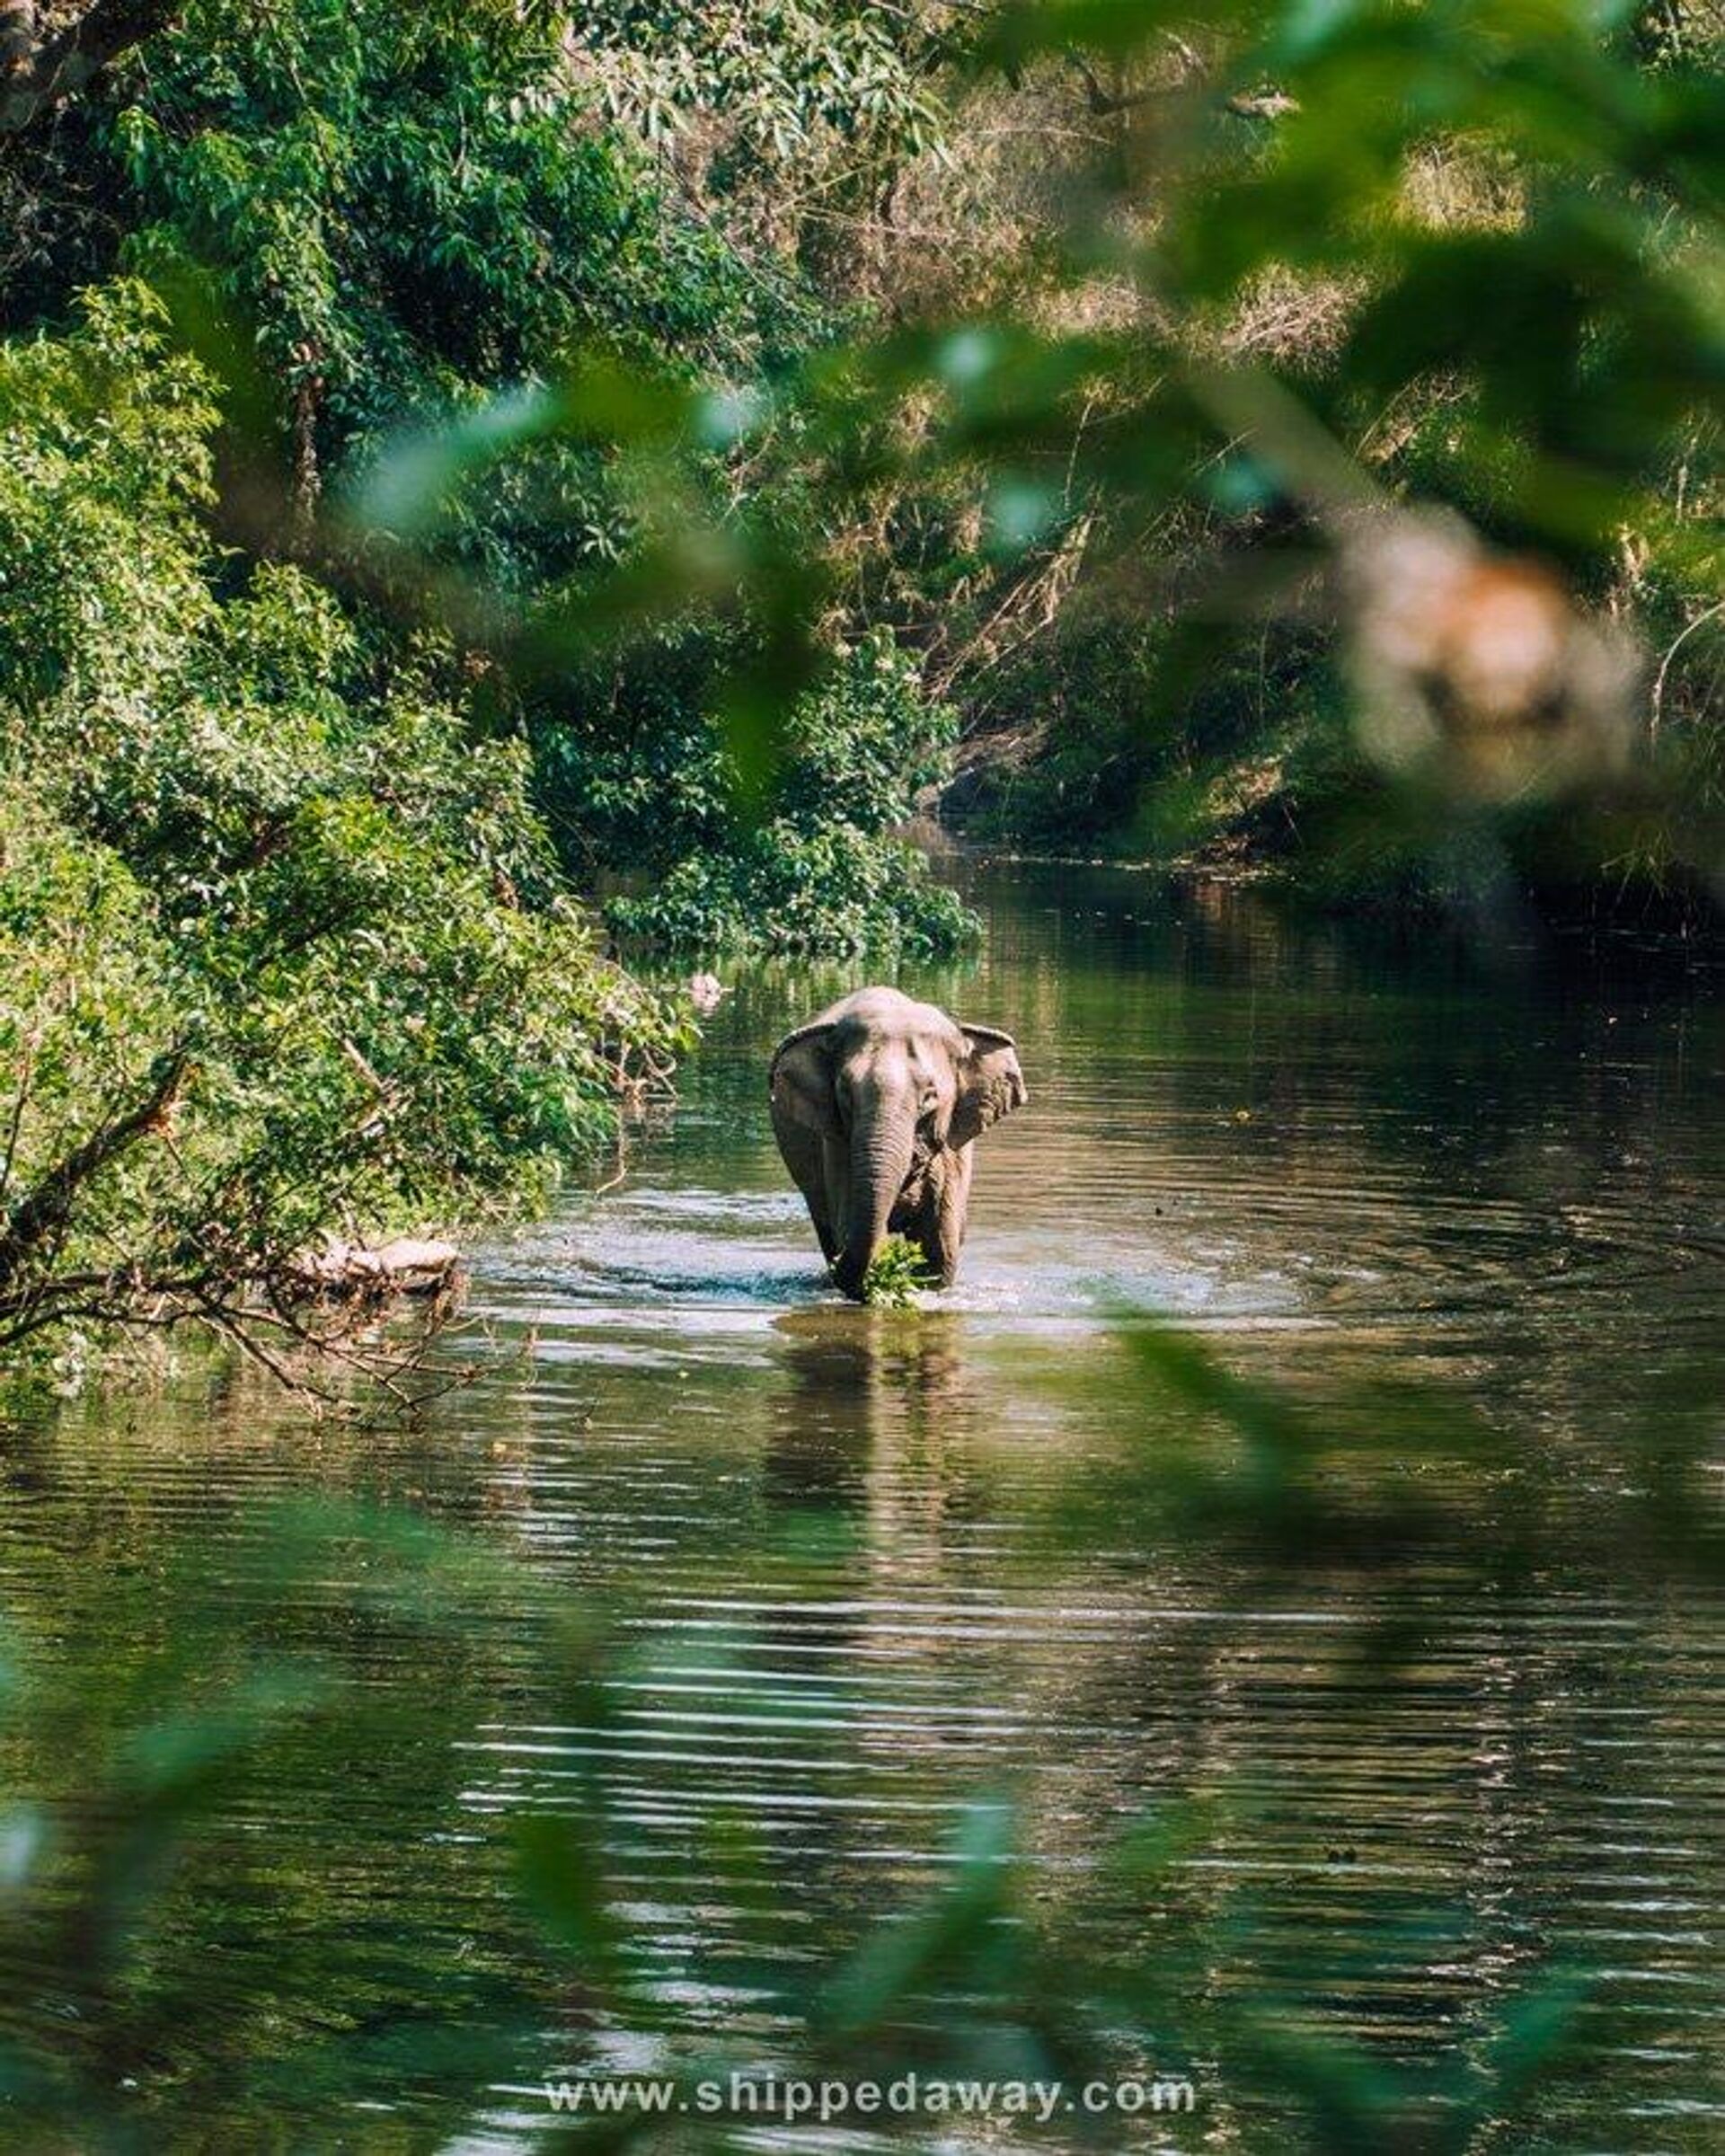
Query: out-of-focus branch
x=39, y=72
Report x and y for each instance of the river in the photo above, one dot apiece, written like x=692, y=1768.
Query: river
x=1348, y=1664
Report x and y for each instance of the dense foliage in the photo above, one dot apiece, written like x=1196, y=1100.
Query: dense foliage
x=370, y=220
x=818, y=868
x=285, y=951
x=1300, y=434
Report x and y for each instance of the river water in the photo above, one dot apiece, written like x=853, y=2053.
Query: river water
x=1350, y=1666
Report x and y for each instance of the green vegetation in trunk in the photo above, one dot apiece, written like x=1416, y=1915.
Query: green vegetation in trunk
x=898, y=1276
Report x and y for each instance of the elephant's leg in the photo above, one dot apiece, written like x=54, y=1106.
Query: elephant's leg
x=804, y=1154
x=946, y=1206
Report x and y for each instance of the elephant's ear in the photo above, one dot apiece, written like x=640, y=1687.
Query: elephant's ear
x=799, y=1082
x=991, y=1085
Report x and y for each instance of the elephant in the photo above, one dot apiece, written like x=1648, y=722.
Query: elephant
x=876, y=1106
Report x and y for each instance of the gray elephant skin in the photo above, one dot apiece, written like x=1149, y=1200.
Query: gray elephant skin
x=877, y=1105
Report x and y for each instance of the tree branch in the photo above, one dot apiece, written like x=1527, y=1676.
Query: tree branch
x=38, y=73
x=1103, y=102
x=46, y=1209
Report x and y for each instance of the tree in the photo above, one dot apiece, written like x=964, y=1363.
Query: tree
x=43, y=61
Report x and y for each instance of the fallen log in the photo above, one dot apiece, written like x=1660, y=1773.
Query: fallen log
x=410, y=1265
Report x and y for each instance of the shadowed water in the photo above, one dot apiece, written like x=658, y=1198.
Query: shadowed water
x=863, y=1566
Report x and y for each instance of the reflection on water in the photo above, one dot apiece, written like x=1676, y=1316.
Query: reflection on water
x=824, y=1533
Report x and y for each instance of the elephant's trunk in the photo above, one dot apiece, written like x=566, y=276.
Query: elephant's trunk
x=883, y=1141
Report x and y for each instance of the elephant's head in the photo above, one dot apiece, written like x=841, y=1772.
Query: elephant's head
x=887, y=1083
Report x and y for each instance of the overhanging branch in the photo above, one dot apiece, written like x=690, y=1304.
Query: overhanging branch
x=38, y=1217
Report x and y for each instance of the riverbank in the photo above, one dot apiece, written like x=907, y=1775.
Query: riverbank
x=1643, y=865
